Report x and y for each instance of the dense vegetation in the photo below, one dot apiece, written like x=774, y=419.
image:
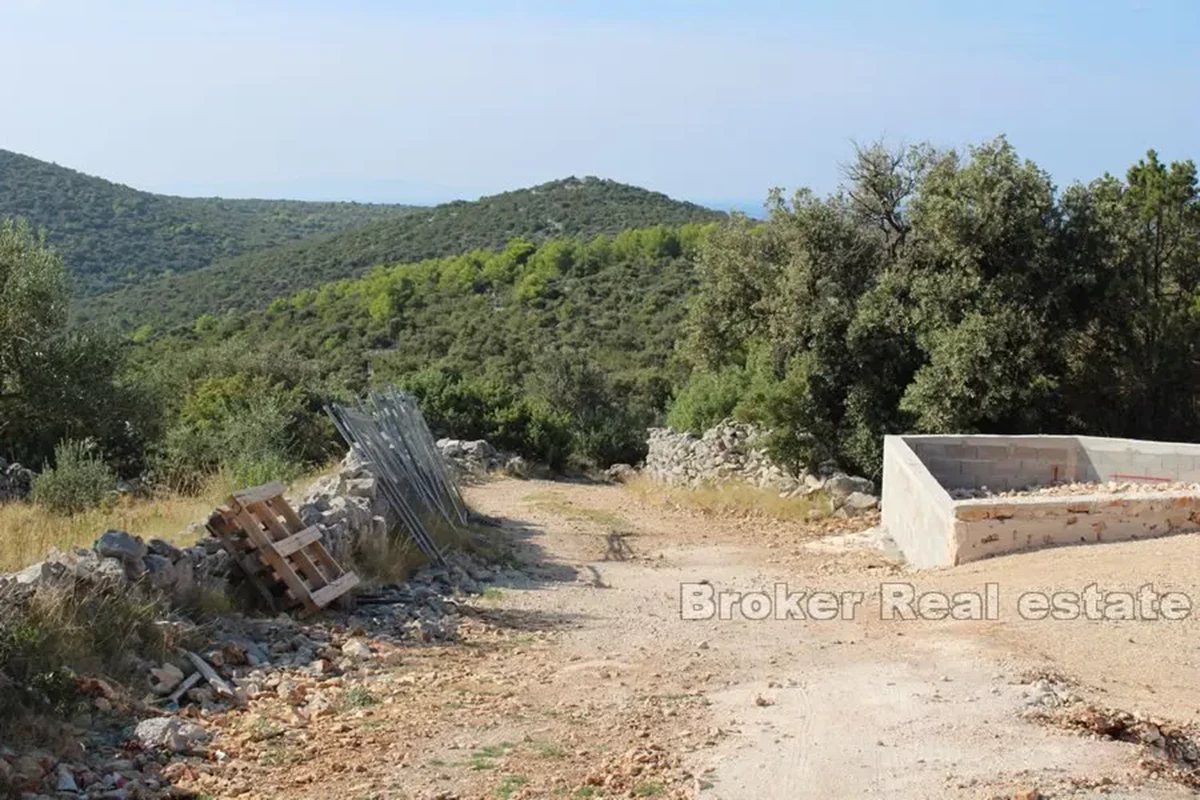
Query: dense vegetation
x=110, y=235
x=571, y=207
x=566, y=347
x=935, y=291
x=946, y=293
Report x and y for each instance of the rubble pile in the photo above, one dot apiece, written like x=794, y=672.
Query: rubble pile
x=141, y=741
x=119, y=557
x=15, y=481
x=1169, y=750
x=478, y=458
x=347, y=507
x=732, y=450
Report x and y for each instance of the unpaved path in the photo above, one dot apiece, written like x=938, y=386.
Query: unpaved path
x=848, y=708
x=584, y=681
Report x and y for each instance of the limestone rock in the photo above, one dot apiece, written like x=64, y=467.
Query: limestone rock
x=356, y=648
x=120, y=545
x=160, y=571
x=620, y=473
x=170, y=733
x=859, y=501
x=164, y=679
x=159, y=547
x=845, y=485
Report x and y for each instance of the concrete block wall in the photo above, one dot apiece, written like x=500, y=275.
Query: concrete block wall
x=933, y=530
x=1124, y=460
x=917, y=510
x=998, y=462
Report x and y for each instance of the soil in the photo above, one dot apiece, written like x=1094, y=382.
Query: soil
x=583, y=680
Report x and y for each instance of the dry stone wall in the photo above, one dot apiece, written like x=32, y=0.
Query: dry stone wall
x=476, y=458
x=345, y=505
x=734, y=451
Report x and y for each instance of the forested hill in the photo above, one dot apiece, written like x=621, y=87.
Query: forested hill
x=111, y=235
x=571, y=207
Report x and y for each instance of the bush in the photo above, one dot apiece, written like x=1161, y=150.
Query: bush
x=706, y=399
x=53, y=634
x=232, y=425
x=79, y=480
x=605, y=427
x=492, y=409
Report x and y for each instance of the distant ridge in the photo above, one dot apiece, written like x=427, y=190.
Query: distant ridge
x=571, y=207
x=111, y=235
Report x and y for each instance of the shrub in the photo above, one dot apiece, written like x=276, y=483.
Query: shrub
x=78, y=481
x=231, y=425
x=706, y=399
x=55, y=633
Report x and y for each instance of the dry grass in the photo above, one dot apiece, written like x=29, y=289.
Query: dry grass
x=28, y=531
x=555, y=502
x=732, y=498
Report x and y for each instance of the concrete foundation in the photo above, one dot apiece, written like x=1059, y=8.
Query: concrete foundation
x=933, y=529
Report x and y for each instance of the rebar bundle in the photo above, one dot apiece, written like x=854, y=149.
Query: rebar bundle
x=388, y=430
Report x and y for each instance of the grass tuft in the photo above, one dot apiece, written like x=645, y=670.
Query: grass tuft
x=53, y=634
x=359, y=697
x=556, y=503
x=732, y=498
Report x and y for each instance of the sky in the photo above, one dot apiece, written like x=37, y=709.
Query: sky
x=706, y=100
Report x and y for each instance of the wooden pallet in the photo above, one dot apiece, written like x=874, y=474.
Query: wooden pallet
x=285, y=561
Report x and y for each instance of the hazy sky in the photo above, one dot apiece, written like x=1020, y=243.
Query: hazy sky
x=711, y=101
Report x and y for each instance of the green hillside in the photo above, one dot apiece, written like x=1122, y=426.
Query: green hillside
x=111, y=235
x=499, y=344
x=936, y=292
x=566, y=208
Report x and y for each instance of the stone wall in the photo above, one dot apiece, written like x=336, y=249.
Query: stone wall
x=349, y=509
x=477, y=458
x=733, y=451
x=344, y=505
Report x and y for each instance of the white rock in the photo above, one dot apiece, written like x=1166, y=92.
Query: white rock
x=858, y=501
x=170, y=733
x=356, y=648
x=164, y=679
x=64, y=780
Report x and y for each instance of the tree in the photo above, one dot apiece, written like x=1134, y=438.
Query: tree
x=55, y=382
x=940, y=292
x=33, y=297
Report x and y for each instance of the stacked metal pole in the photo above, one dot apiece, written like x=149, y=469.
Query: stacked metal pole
x=388, y=430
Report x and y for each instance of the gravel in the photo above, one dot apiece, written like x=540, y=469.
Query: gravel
x=1083, y=488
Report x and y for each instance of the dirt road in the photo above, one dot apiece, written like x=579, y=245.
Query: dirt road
x=584, y=680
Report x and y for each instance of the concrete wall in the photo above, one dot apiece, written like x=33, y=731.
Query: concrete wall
x=998, y=462
x=1124, y=460
x=933, y=530
x=917, y=510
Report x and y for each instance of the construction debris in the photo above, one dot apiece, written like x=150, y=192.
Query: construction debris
x=285, y=561
x=389, y=432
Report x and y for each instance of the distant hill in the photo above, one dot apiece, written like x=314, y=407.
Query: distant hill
x=111, y=235
x=571, y=207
